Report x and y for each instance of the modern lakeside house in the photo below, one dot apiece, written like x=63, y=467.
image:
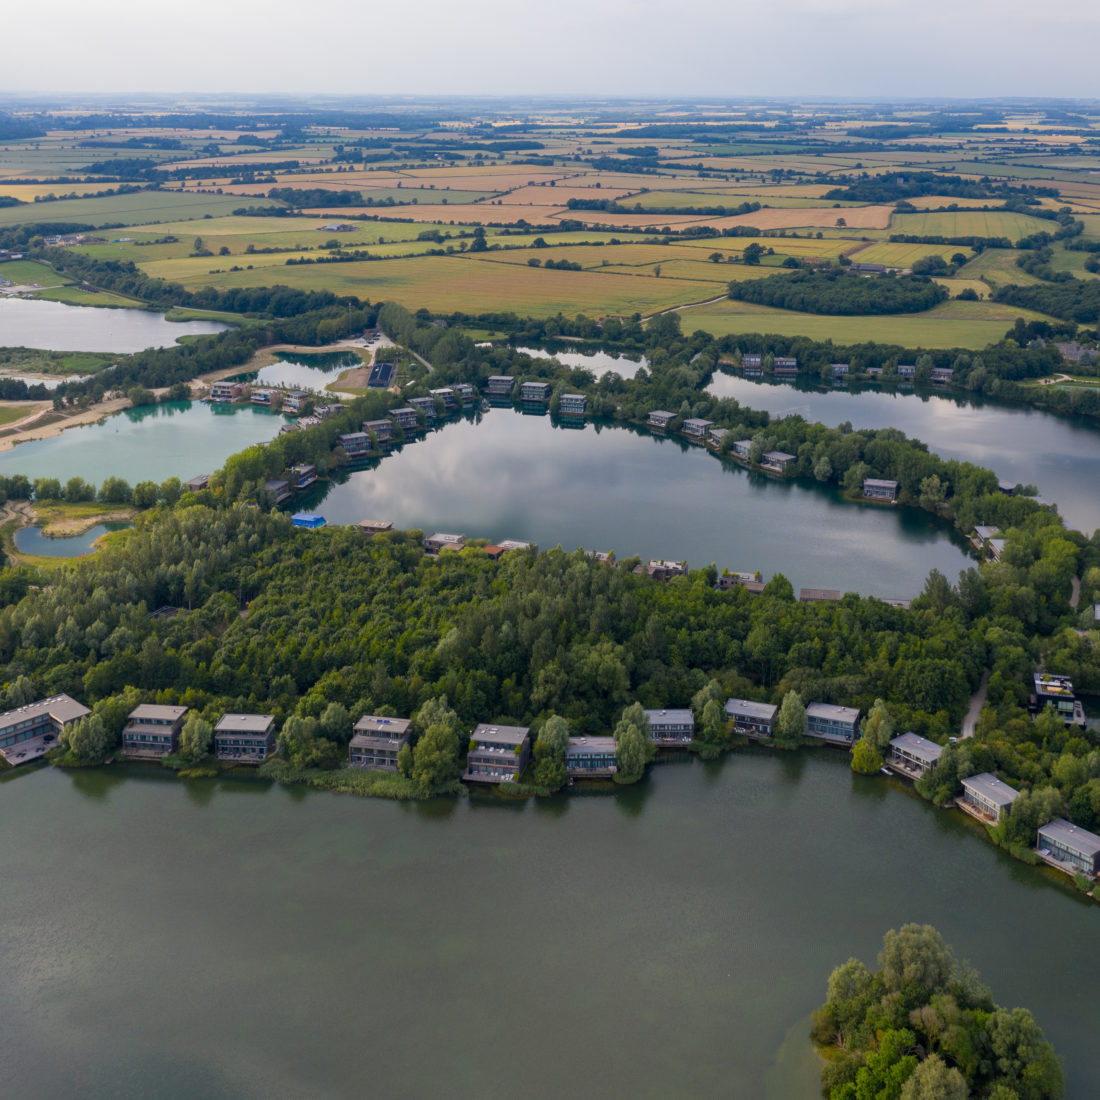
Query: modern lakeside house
x=696, y=427
x=1069, y=848
x=1057, y=692
x=376, y=742
x=534, y=391
x=986, y=796
x=751, y=719
x=671, y=727
x=572, y=404
x=440, y=540
x=152, y=730
x=498, y=754
x=912, y=755
x=838, y=725
x=29, y=732
x=591, y=756
x=660, y=418
x=875, y=488
x=245, y=738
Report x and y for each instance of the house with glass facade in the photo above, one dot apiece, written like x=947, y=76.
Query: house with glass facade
x=1057, y=692
x=913, y=755
x=405, y=418
x=987, y=795
x=875, y=488
x=1069, y=847
x=382, y=430
x=591, y=756
x=777, y=461
x=498, y=754
x=671, y=727
x=152, y=730
x=426, y=405
x=29, y=732
x=572, y=404
x=355, y=444
x=751, y=719
x=440, y=540
x=837, y=725
x=660, y=418
x=245, y=738
x=785, y=364
x=696, y=427
x=534, y=391
x=500, y=385
x=447, y=396
x=376, y=741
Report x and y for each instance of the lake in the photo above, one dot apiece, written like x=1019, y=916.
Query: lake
x=31, y=540
x=177, y=439
x=1059, y=455
x=502, y=474
x=303, y=370
x=54, y=326
x=598, y=362
x=225, y=938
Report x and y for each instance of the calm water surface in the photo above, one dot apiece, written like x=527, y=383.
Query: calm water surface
x=54, y=326
x=220, y=938
x=507, y=475
x=154, y=442
x=31, y=540
x=1060, y=455
x=598, y=362
x=303, y=371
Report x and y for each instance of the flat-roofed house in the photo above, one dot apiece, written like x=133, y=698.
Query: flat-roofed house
x=447, y=396
x=751, y=719
x=153, y=730
x=197, y=484
x=572, y=404
x=405, y=418
x=534, y=391
x=355, y=445
x=498, y=754
x=671, y=727
x=246, y=738
x=742, y=448
x=875, y=488
x=752, y=582
x=664, y=570
x=440, y=540
x=913, y=755
x=785, y=364
x=1069, y=847
x=752, y=363
x=464, y=391
x=696, y=426
x=372, y=527
x=777, y=461
x=301, y=477
x=837, y=725
x=591, y=756
x=942, y=375
x=278, y=489
x=819, y=595
x=906, y=370
x=426, y=405
x=223, y=391
x=263, y=397
x=874, y=372
x=382, y=430
x=986, y=794
x=376, y=741
x=1057, y=691
x=716, y=435
x=295, y=401
x=500, y=385
x=29, y=732
x=660, y=418
x=840, y=369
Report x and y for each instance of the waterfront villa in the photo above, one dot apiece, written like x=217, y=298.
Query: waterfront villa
x=355, y=444
x=819, y=595
x=942, y=375
x=153, y=730
x=1057, y=691
x=1069, y=848
x=426, y=405
x=591, y=756
x=785, y=364
x=660, y=418
x=439, y=540
x=534, y=391
x=500, y=385
x=245, y=738
x=447, y=396
x=197, y=484
x=912, y=755
x=874, y=372
x=671, y=727
x=716, y=435
x=752, y=363
x=29, y=732
x=840, y=369
x=277, y=489
x=694, y=426
x=262, y=397
x=837, y=725
x=376, y=741
x=371, y=527
x=663, y=570
x=879, y=489
x=906, y=370
x=498, y=754
x=382, y=430
x=742, y=448
x=751, y=719
x=777, y=461
x=405, y=418
x=295, y=401
x=464, y=391
x=498, y=550
x=302, y=476
x=986, y=796
x=728, y=580
x=572, y=404
x=225, y=391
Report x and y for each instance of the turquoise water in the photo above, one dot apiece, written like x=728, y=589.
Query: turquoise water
x=226, y=938
x=31, y=540
x=303, y=371
x=178, y=439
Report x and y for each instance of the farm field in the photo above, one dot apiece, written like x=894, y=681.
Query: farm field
x=968, y=223
x=896, y=254
x=21, y=272
x=140, y=208
x=950, y=324
x=998, y=265
x=28, y=192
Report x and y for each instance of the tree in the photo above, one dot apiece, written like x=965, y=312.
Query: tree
x=915, y=955
x=115, y=490
x=145, y=494
x=195, y=738
x=714, y=723
x=752, y=254
x=790, y=722
x=632, y=753
x=878, y=727
x=336, y=723
x=934, y=1079
x=88, y=739
x=550, y=746
x=77, y=489
x=866, y=759
x=435, y=759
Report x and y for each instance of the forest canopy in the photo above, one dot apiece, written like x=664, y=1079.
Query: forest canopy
x=840, y=292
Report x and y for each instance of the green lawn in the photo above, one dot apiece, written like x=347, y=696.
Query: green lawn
x=74, y=296
x=969, y=223
x=21, y=272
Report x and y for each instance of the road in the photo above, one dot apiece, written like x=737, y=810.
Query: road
x=977, y=701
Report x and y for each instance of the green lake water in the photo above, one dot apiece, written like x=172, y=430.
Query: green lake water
x=31, y=540
x=502, y=474
x=177, y=439
x=224, y=938
x=303, y=370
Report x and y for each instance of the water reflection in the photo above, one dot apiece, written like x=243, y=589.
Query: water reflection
x=597, y=361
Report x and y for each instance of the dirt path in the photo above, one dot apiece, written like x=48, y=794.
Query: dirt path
x=1075, y=592
x=977, y=701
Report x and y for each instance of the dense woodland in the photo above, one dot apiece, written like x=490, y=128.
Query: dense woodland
x=839, y=292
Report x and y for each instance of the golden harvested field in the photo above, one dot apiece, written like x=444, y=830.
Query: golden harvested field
x=827, y=248
x=460, y=213
x=28, y=192
x=702, y=271
x=950, y=324
x=930, y=202
x=623, y=255
x=561, y=193
x=905, y=255
x=856, y=217
x=472, y=285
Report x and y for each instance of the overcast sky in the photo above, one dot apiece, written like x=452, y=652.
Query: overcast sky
x=585, y=47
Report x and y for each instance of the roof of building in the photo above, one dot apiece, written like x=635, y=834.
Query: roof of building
x=697, y=422
x=879, y=483
x=590, y=744
x=991, y=788
x=62, y=708
x=393, y=728
x=984, y=532
x=746, y=708
x=681, y=717
x=514, y=544
x=500, y=735
x=1072, y=836
x=831, y=710
x=918, y=746
x=157, y=712
x=1048, y=683
x=245, y=723
x=779, y=456
x=442, y=536
x=818, y=595
x=660, y=414
x=375, y=524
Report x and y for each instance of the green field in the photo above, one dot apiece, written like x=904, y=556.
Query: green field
x=140, y=208
x=969, y=223
x=21, y=272
x=949, y=325
x=74, y=296
x=905, y=255
x=424, y=194
x=9, y=414
x=998, y=265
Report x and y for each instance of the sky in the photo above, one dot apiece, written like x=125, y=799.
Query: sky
x=658, y=48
